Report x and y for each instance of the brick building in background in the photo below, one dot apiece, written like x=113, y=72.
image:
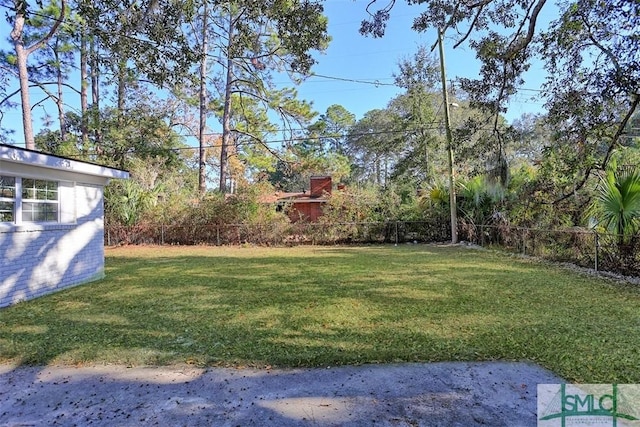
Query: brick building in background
x=305, y=206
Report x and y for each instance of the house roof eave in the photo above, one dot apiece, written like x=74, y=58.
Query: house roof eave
x=13, y=154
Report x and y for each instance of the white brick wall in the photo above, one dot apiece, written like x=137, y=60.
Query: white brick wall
x=38, y=259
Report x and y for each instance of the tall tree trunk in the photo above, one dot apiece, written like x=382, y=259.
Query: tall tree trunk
x=22, y=54
x=202, y=176
x=95, y=90
x=84, y=103
x=226, y=115
x=60, y=99
x=122, y=86
x=95, y=81
x=23, y=73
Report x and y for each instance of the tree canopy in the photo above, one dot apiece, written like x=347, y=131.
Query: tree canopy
x=591, y=52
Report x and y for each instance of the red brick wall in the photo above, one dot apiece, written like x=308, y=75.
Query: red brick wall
x=320, y=185
x=307, y=211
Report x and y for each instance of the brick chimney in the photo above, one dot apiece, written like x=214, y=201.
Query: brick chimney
x=320, y=185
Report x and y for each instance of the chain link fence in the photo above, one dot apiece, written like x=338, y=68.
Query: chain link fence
x=278, y=233
x=579, y=246
x=583, y=247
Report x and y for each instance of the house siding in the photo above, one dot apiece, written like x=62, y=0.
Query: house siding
x=37, y=259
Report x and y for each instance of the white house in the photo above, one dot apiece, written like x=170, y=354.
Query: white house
x=51, y=222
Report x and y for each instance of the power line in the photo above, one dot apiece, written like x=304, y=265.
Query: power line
x=320, y=137
x=345, y=79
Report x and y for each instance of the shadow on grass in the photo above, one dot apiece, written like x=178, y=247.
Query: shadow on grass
x=332, y=306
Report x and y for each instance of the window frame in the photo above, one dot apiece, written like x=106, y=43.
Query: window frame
x=37, y=203
x=47, y=191
x=8, y=199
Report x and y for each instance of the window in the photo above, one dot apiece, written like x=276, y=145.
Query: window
x=25, y=200
x=39, y=200
x=7, y=198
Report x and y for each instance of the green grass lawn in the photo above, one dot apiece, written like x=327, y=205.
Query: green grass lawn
x=322, y=306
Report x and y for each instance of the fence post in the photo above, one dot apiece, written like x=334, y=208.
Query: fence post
x=396, y=233
x=218, y=234
x=597, y=248
x=162, y=234
x=524, y=241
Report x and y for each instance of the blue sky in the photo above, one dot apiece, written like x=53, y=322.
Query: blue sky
x=353, y=56
x=350, y=56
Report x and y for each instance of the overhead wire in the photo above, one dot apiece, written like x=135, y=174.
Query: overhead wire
x=320, y=137
x=375, y=82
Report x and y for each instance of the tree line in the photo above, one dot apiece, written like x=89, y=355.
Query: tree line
x=147, y=73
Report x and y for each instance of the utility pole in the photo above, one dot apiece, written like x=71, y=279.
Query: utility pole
x=202, y=175
x=447, y=126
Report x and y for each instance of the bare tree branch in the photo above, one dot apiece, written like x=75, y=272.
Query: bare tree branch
x=614, y=142
x=523, y=43
x=387, y=8
x=473, y=24
x=6, y=98
x=620, y=130
x=43, y=41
